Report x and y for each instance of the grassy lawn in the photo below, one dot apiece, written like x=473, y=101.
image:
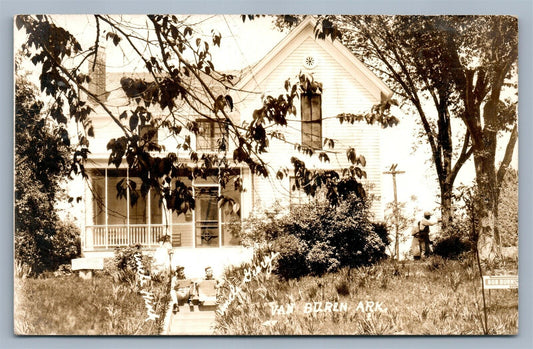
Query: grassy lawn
x=435, y=296
x=69, y=305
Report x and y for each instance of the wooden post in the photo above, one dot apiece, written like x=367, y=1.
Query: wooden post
x=392, y=171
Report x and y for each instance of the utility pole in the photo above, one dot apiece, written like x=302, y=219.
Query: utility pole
x=392, y=171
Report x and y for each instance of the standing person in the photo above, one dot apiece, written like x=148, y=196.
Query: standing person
x=161, y=262
x=423, y=238
x=170, y=251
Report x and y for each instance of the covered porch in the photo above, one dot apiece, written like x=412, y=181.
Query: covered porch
x=116, y=215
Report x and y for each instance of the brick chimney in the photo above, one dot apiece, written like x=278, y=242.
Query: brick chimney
x=97, y=73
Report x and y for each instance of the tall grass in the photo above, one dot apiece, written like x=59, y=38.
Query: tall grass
x=69, y=305
x=435, y=296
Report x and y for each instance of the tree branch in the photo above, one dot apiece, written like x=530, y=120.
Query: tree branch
x=465, y=154
x=508, y=155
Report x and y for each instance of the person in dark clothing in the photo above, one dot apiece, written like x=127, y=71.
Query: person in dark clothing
x=421, y=241
x=424, y=233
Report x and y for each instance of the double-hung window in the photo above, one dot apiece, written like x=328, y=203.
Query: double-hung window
x=210, y=134
x=311, y=108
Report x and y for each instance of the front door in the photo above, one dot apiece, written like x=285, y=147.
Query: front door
x=207, y=217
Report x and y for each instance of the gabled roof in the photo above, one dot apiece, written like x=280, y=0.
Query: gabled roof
x=342, y=54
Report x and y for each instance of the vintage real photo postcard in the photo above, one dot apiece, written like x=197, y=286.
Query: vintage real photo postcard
x=266, y=175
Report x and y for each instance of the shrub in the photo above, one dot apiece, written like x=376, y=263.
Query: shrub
x=66, y=244
x=292, y=259
x=63, y=270
x=343, y=288
x=318, y=238
x=451, y=247
x=321, y=259
x=124, y=266
x=44, y=248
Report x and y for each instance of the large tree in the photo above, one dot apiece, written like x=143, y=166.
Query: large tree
x=446, y=67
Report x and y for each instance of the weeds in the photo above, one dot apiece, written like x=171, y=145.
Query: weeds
x=99, y=306
x=429, y=297
x=343, y=289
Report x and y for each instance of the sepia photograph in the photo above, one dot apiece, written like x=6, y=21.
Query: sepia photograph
x=265, y=175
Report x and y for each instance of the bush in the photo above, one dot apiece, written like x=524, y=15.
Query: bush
x=451, y=247
x=124, y=265
x=321, y=259
x=66, y=244
x=292, y=259
x=318, y=238
x=46, y=247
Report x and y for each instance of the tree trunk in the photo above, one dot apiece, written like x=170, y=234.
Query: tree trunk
x=446, y=207
x=489, y=238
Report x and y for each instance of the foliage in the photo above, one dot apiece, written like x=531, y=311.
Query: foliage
x=452, y=247
x=66, y=243
x=292, y=261
x=69, y=305
x=124, y=266
x=316, y=238
x=443, y=300
x=461, y=67
x=42, y=151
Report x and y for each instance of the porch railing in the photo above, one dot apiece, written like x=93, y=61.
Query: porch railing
x=101, y=236
x=182, y=235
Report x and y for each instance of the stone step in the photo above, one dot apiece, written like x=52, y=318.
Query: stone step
x=192, y=327
x=192, y=321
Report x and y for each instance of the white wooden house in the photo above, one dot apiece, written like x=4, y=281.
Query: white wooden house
x=201, y=238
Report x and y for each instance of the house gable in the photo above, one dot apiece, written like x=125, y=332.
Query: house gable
x=348, y=87
x=339, y=53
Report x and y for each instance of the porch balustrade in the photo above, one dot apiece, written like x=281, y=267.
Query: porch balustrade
x=101, y=236
x=182, y=235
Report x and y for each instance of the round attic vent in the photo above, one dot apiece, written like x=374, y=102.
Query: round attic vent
x=310, y=62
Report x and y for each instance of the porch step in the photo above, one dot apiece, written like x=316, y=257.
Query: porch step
x=192, y=321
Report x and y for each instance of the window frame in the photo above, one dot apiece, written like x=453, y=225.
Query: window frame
x=109, y=191
x=212, y=139
x=308, y=136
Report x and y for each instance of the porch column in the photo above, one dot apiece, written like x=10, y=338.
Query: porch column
x=106, y=213
x=128, y=207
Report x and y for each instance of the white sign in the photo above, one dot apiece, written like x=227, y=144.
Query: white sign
x=500, y=282
x=88, y=264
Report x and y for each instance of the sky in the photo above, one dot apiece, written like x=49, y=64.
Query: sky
x=244, y=44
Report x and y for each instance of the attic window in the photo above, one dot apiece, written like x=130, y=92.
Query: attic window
x=310, y=62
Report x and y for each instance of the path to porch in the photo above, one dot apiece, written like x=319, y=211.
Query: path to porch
x=192, y=323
